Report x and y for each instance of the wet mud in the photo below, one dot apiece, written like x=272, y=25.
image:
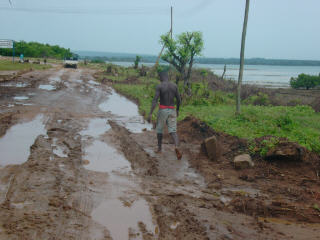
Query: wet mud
x=78, y=162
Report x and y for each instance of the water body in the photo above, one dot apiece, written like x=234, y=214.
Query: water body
x=261, y=75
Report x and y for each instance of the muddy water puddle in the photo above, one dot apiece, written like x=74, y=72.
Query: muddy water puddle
x=103, y=158
x=21, y=98
x=57, y=76
x=58, y=150
x=125, y=112
x=96, y=127
x=15, y=144
x=14, y=84
x=115, y=211
x=47, y=87
x=119, y=219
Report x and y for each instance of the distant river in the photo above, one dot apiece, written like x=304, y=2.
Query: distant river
x=261, y=75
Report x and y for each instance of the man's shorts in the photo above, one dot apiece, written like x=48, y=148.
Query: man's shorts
x=169, y=117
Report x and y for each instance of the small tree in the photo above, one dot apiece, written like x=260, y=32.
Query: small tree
x=136, y=62
x=181, y=53
x=305, y=81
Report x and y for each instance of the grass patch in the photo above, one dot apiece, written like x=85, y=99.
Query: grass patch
x=6, y=65
x=299, y=124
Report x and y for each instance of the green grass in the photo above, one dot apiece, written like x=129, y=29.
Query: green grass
x=6, y=65
x=299, y=124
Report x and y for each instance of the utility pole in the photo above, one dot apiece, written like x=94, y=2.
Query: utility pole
x=171, y=21
x=159, y=56
x=243, y=44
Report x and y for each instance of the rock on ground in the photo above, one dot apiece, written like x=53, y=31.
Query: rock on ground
x=212, y=148
x=243, y=161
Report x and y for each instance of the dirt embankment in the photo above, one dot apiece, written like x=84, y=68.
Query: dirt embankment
x=282, y=188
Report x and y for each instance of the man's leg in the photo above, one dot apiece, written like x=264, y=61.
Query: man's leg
x=175, y=139
x=172, y=127
x=160, y=124
x=159, y=137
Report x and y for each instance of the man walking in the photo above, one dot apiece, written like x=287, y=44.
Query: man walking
x=167, y=115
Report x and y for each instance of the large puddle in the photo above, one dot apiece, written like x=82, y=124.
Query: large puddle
x=118, y=215
x=15, y=144
x=125, y=112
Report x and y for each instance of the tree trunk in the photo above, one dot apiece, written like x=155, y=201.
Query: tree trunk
x=224, y=71
x=243, y=43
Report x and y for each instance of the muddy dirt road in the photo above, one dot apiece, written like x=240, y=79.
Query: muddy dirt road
x=78, y=162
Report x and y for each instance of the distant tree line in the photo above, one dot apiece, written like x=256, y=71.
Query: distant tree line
x=305, y=81
x=37, y=50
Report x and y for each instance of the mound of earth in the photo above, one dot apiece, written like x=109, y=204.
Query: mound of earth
x=271, y=189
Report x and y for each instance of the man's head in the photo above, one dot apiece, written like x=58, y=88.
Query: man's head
x=163, y=73
x=163, y=76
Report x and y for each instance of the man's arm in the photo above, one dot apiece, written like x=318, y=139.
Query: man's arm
x=177, y=95
x=154, y=102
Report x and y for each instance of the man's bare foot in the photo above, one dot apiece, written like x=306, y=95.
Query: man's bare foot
x=178, y=153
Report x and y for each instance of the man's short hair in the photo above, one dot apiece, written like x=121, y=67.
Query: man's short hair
x=163, y=75
x=163, y=71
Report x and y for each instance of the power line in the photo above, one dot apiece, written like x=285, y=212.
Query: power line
x=134, y=11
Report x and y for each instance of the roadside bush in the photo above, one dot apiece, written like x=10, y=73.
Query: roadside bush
x=305, y=81
x=285, y=122
x=261, y=99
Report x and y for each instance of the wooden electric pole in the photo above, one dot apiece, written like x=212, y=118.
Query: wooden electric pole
x=171, y=22
x=159, y=56
x=243, y=43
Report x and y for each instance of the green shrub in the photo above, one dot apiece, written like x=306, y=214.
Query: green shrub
x=305, y=81
x=267, y=145
x=261, y=99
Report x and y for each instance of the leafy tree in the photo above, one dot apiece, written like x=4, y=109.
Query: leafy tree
x=136, y=62
x=181, y=53
x=305, y=81
x=37, y=50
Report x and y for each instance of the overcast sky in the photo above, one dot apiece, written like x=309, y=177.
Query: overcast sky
x=276, y=29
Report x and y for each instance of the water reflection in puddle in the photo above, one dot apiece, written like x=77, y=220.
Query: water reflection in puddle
x=15, y=145
x=47, y=87
x=20, y=98
x=111, y=212
x=119, y=105
x=126, y=112
x=97, y=126
x=57, y=150
x=118, y=218
x=103, y=158
x=93, y=82
x=14, y=84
